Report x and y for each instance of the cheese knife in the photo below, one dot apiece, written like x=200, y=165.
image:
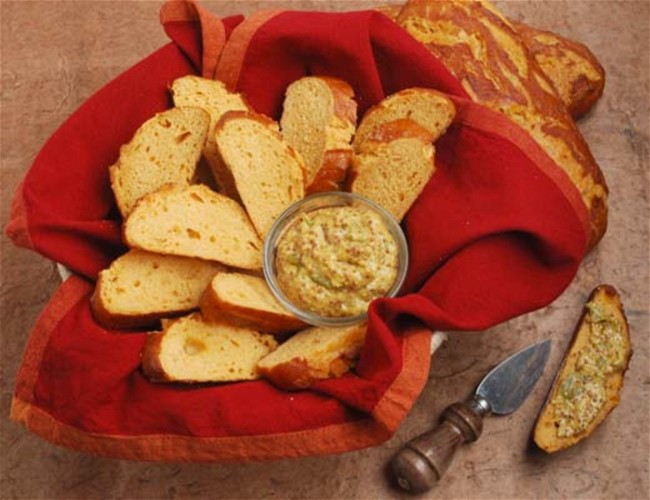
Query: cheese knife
x=423, y=461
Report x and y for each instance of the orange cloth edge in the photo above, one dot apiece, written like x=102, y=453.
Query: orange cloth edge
x=488, y=120
x=213, y=33
x=339, y=438
x=18, y=226
x=232, y=60
x=66, y=296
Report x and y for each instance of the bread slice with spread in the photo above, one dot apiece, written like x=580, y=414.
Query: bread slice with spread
x=194, y=221
x=166, y=148
x=588, y=385
x=213, y=97
x=314, y=354
x=318, y=120
x=269, y=174
x=141, y=287
x=191, y=349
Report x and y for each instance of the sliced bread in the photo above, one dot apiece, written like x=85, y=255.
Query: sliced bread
x=194, y=221
x=191, y=349
x=318, y=120
x=268, y=173
x=393, y=165
x=166, y=148
x=314, y=354
x=140, y=287
x=213, y=97
x=429, y=108
x=589, y=382
x=247, y=301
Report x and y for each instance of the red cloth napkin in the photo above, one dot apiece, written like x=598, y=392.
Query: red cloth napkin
x=498, y=231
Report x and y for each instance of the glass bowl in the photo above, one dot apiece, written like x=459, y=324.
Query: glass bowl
x=346, y=244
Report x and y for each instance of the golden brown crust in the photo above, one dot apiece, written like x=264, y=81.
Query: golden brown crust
x=150, y=361
x=570, y=66
x=215, y=309
x=404, y=128
x=122, y=321
x=400, y=106
x=333, y=173
x=345, y=107
x=297, y=374
x=545, y=432
x=482, y=49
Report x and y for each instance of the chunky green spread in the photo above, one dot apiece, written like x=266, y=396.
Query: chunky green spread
x=334, y=261
x=582, y=394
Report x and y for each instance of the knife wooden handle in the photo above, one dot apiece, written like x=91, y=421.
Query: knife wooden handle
x=423, y=461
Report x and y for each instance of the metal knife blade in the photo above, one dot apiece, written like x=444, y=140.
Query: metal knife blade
x=423, y=461
x=506, y=387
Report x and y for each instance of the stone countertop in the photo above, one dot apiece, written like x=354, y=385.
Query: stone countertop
x=56, y=54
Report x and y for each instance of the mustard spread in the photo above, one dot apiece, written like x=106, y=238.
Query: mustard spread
x=334, y=261
x=582, y=394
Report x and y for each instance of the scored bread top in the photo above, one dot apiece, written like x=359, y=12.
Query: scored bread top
x=191, y=349
x=268, y=173
x=140, y=287
x=194, y=221
x=213, y=97
x=313, y=354
x=166, y=148
x=570, y=66
x=246, y=300
x=318, y=120
x=393, y=165
x=430, y=109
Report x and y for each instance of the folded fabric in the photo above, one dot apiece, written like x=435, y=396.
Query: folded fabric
x=498, y=231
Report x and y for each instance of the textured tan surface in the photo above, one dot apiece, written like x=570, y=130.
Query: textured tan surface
x=54, y=55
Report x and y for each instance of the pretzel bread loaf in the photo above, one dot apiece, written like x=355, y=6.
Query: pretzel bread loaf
x=482, y=49
x=571, y=67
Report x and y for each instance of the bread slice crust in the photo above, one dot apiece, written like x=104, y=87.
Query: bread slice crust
x=314, y=354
